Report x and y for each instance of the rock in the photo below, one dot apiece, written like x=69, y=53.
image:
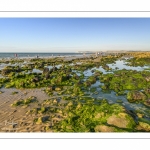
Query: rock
x=1, y=92
x=36, y=79
x=46, y=70
x=55, y=68
x=147, y=79
x=143, y=126
x=140, y=115
x=147, y=91
x=57, y=89
x=104, y=128
x=87, y=83
x=135, y=96
x=41, y=120
x=47, y=75
x=147, y=102
x=55, y=101
x=68, y=77
x=50, y=71
x=11, y=126
x=100, y=115
x=122, y=120
x=50, y=88
x=5, y=71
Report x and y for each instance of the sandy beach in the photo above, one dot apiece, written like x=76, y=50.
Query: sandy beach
x=15, y=118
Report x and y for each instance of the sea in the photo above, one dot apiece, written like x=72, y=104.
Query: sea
x=39, y=55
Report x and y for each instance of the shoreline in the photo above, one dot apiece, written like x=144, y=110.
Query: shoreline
x=70, y=57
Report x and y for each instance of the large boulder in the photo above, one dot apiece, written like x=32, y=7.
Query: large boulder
x=122, y=120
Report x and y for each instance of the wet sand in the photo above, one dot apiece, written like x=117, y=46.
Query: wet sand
x=15, y=119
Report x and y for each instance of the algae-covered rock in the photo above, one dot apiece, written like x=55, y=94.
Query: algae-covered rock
x=122, y=120
x=143, y=126
x=42, y=110
x=41, y=120
x=27, y=101
x=14, y=92
x=140, y=115
x=46, y=70
x=7, y=70
x=133, y=96
x=147, y=92
x=17, y=102
x=50, y=88
x=147, y=103
x=147, y=79
x=1, y=92
x=58, y=89
x=104, y=128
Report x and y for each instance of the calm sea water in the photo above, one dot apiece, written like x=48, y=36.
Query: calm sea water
x=22, y=55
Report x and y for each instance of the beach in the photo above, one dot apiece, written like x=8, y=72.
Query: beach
x=15, y=119
x=74, y=94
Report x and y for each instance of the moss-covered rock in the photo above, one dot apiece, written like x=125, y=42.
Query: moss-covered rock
x=27, y=101
x=104, y=128
x=147, y=102
x=122, y=120
x=41, y=120
x=143, y=126
x=134, y=96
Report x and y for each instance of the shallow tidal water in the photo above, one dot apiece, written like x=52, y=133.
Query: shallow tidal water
x=99, y=94
x=111, y=96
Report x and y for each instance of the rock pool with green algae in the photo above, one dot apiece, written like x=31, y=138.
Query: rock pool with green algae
x=97, y=93
x=135, y=61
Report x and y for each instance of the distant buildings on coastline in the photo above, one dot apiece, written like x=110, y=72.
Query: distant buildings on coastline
x=104, y=53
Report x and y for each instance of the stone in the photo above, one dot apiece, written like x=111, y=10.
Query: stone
x=135, y=96
x=104, y=128
x=46, y=70
x=122, y=120
x=143, y=126
x=147, y=102
x=41, y=120
x=57, y=89
x=147, y=79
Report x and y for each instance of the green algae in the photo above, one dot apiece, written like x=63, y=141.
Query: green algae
x=85, y=117
x=13, y=93
x=125, y=80
x=133, y=96
x=27, y=101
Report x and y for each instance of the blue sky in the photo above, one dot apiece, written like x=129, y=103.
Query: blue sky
x=73, y=34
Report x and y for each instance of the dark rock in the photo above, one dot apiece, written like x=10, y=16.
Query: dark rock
x=50, y=88
x=6, y=71
x=36, y=79
x=46, y=70
x=55, y=68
